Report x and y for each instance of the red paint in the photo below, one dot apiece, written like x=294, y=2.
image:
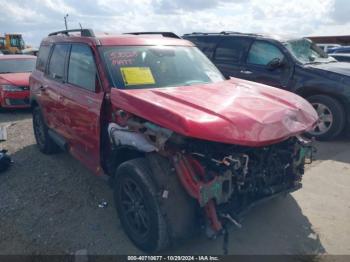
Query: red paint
x=210, y=211
x=15, y=79
x=233, y=111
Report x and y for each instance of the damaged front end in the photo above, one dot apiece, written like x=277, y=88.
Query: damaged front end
x=224, y=179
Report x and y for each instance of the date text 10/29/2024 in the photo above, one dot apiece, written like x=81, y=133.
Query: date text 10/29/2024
x=173, y=258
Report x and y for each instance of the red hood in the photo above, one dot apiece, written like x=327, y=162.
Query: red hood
x=233, y=111
x=18, y=79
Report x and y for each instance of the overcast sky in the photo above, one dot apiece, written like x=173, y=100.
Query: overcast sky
x=36, y=18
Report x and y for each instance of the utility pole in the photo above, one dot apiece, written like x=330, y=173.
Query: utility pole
x=65, y=21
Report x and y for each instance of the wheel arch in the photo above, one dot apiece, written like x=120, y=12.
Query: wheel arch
x=311, y=91
x=119, y=155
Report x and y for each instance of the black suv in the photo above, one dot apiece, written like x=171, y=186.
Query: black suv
x=294, y=64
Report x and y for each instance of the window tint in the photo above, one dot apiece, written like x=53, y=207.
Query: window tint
x=261, y=53
x=82, y=69
x=44, y=51
x=205, y=44
x=231, y=49
x=56, y=64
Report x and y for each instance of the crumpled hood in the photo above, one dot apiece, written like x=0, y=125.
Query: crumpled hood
x=17, y=79
x=341, y=68
x=234, y=111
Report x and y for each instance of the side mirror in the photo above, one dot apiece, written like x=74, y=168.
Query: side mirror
x=275, y=63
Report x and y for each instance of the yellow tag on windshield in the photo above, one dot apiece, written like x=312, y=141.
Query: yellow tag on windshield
x=137, y=76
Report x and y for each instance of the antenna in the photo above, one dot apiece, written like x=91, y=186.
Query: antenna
x=80, y=26
x=65, y=21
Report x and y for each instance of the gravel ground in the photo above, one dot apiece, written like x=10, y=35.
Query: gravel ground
x=49, y=205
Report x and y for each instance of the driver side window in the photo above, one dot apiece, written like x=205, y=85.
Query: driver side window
x=261, y=53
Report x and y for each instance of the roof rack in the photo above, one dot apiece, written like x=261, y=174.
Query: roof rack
x=222, y=33
x=165, y=34
x=83, y=32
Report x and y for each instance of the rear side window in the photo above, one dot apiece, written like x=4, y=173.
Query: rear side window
x=205, y=44
x=44, y=51
x=231, y=49
x=261, y=53
x=81, y=68
x=56, y=64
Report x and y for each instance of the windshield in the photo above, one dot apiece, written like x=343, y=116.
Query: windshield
x=158, y=66
x=17, y=65
x=307, y=52
x=17, y=41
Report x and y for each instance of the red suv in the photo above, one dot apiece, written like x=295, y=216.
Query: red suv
x=185, y=148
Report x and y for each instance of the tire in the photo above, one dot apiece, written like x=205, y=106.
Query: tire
x=332, y=117
x=172, y=211
x=43, y=140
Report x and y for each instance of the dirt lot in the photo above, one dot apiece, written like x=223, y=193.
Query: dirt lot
x=49, y=205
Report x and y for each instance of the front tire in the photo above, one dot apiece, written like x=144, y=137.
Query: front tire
x=138, y=207
x=332, y=117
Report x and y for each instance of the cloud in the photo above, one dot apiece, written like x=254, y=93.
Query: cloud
x=36, y=18
x=341, y=11
x=170, y=6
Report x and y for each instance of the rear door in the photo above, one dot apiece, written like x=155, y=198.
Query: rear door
x=229, y=55
x=82, y=98
x=37, y=80
x=51, y=84
x=206, y=44
x=260, y=54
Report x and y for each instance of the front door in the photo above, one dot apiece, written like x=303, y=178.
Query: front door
x=257, y=67
x=82, y=98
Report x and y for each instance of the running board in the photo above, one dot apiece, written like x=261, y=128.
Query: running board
x=58, y=139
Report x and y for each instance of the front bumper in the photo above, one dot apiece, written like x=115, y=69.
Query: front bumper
x=10, y=99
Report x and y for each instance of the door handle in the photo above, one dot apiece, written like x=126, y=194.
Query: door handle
x=43, y=88
x=246, y=72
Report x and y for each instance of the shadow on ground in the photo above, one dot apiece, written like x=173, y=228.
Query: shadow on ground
x=329, y=150
x=275, y=227
x=49, y=205
x=12, y=115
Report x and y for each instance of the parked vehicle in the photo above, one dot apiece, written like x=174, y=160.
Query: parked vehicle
x=339, y=50
x=184, y=147
x=1, y=53
x=325, y=47
x=341, y=57
x=14, y=80
x=296, y=65
x=30, y=51
x=11, y=43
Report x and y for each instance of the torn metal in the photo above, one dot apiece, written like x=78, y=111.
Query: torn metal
x=223, y=178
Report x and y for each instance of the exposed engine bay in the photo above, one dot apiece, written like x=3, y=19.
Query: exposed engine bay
x=224, y=179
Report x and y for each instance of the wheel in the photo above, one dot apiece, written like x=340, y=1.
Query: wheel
x=149, y=218
x=331, y=117
x=43, y=140
x=139, y=211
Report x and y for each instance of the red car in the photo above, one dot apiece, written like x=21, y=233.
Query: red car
x=185, y=149
x=14, y=80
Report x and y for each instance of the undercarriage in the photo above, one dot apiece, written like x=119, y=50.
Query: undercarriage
x=223, y=179
x=227, y=179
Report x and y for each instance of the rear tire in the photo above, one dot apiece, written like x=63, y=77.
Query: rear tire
x=332, y=117
x=43, y=140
